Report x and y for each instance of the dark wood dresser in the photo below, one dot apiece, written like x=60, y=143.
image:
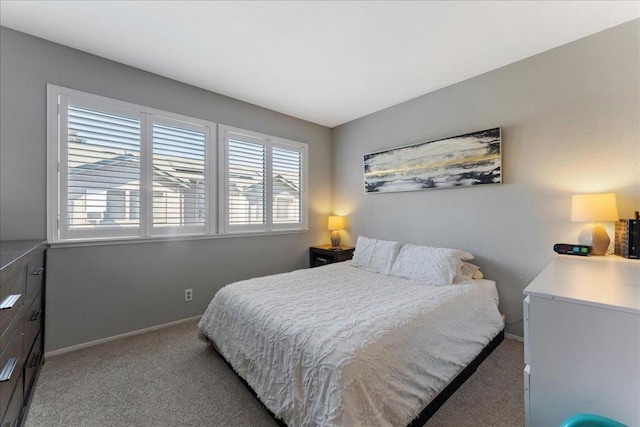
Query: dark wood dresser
x=22, y=281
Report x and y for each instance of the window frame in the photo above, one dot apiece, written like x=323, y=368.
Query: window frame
x=215, y=205
x=269, y=142
x=58, y=231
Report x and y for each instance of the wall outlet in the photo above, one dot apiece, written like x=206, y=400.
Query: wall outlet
x=188, y=294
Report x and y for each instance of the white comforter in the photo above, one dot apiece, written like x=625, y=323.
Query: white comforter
x=342, y=346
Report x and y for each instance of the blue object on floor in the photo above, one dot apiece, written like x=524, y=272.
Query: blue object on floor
x=590, y=420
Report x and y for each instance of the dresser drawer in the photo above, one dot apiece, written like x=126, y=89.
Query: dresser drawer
x=34, y=360
x=35, y=277
x=14, y=407
x=32, y=322
x=10, y=367
x=10, y=332
x=11, y=299
x=22, y=280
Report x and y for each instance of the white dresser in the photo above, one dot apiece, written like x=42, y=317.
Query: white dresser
x=582, y=340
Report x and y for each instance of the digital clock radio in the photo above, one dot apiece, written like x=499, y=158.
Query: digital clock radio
x=568, y=249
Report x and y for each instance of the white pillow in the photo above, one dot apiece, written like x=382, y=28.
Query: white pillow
x=426, y=264
x=375, y=255
x=383, y=256
x=362, y=254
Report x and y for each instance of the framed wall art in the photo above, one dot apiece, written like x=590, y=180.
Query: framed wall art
x=460, y=161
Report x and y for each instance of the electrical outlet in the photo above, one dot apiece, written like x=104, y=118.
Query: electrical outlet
x=188, y=294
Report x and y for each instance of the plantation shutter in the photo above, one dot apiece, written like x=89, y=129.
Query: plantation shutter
x=102, y=172
x=116, y=170
x=246, y=162
x=263, y=182
x=179, y=184
x=287, y=186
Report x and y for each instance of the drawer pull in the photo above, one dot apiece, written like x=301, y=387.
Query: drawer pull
x=38, y=271
x=36, y=315
x=35, y=362
x=9, y=301
x=7, y=371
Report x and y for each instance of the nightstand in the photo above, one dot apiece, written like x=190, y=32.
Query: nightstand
x=323, y=255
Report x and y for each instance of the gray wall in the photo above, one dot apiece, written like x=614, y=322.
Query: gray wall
x=570, y=123
x=100, y=291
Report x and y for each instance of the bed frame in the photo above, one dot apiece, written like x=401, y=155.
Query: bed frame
x=431, y=408
x=454, y=385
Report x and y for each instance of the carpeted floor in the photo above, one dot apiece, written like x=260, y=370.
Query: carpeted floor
x=170, y=378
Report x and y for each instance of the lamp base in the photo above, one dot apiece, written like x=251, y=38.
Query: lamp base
x=335, y=239
x=596, y=236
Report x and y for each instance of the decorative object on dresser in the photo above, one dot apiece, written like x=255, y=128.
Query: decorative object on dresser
x=459, y=161
x=327, y=254
x=582, y=341
x=628, y=238
x=335, y=224
x=594, y=209
x=22, y=281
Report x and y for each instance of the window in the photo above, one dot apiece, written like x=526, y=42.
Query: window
x=287, y=182
x=263, y=183
x=101, y=156
x=122, y=170
x=179, y=175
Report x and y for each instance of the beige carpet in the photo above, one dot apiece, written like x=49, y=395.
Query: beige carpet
x=170, y=378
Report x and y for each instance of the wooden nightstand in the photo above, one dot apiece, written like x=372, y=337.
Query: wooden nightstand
x=323, y=255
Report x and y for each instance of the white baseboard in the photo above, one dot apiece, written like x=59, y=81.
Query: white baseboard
x=116, y=337
x=514, y=337
x=155, y=328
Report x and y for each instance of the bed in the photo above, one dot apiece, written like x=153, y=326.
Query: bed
x=343, y=345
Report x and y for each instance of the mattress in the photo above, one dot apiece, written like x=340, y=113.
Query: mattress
x=342, y=346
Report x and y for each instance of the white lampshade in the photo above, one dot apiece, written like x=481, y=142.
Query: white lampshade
x=594, y=208
x=336, y=223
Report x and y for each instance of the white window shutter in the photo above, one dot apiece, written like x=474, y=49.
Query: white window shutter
x=287, y=186
x=246, y=183
x=179, y=172
x=264, y=182
x=117, y=170
x=102, y=172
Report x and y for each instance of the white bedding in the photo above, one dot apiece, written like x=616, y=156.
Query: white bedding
x=342, y=346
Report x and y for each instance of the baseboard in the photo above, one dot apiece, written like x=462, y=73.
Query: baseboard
x=514, y=337
x=116, y=337
x=164, y=325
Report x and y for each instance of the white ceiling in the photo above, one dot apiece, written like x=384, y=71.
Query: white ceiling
x=326, y=62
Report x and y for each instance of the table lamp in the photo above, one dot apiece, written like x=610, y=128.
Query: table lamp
x=336, y=223
x=594, y=208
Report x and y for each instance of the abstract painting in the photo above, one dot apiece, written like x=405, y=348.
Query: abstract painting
x=459, y=161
